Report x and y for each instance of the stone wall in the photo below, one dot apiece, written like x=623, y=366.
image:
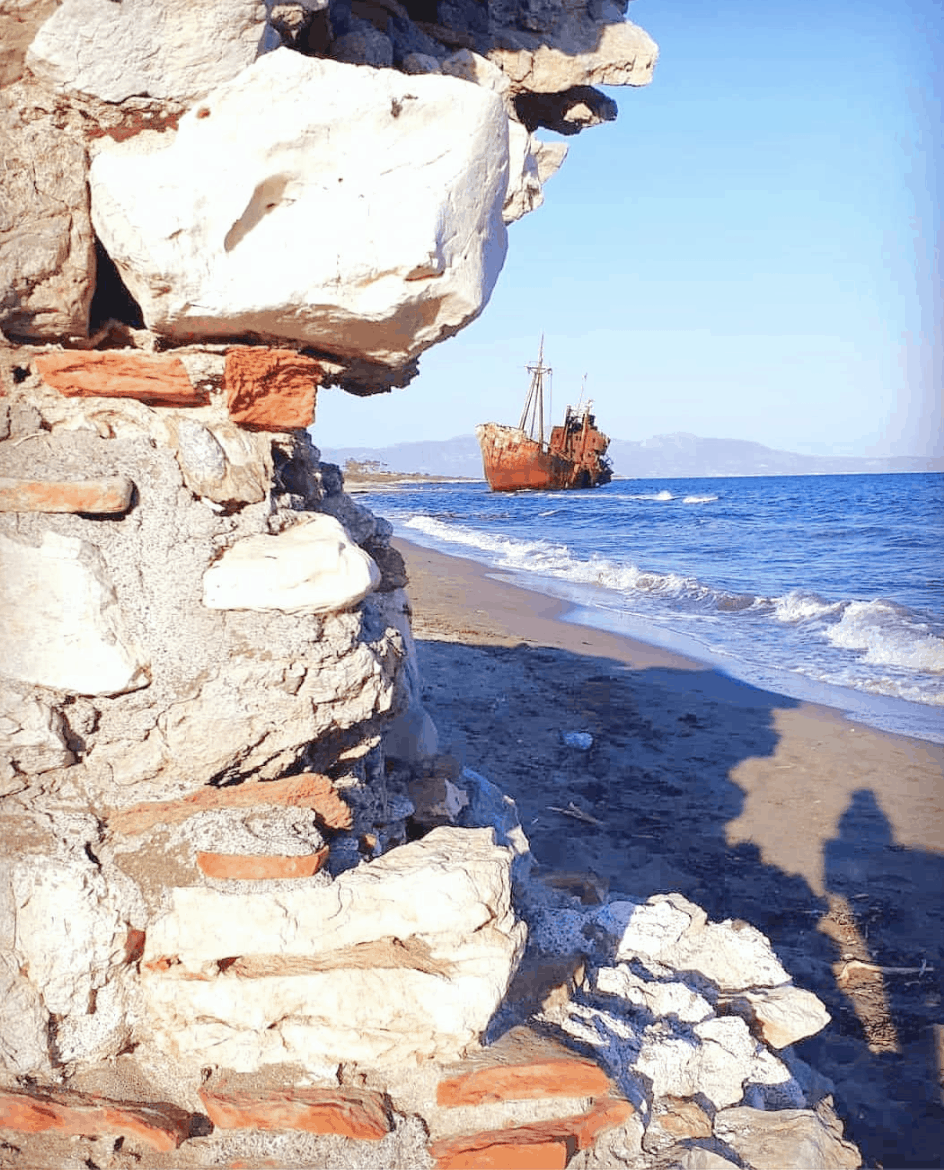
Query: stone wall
x=241, y=894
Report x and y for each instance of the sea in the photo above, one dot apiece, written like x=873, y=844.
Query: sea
x=824, y=588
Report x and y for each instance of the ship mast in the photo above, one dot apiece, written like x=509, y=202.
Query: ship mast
x=532, y=417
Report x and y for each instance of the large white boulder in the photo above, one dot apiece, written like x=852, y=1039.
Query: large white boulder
x=63, y=626
x=312, y=567
x=172, y=49
x=354, y=209
x=406, y=957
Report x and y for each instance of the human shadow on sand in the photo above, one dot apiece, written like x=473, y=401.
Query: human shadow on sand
x=657, y=782
x=892, y=898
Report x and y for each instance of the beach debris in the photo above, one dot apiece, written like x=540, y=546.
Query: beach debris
x=578, y=814
x=876, y=969
x=581, y=740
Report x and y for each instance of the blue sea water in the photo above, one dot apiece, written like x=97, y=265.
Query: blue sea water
x=829, y=588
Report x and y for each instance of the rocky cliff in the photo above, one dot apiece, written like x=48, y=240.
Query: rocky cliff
x=241, y=892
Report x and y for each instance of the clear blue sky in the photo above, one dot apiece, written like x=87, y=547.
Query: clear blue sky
x=751, y=251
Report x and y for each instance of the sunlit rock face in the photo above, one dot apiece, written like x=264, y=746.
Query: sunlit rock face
x=355, y=211
x=153, y=48
x=319, y=978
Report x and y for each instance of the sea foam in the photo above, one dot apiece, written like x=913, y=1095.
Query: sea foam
x=889, y=635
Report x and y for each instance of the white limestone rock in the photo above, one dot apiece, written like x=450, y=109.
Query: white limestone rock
x=62, y=624
x=787, y=1137
x=407, y=956
x=356, y=210
x=70, y=934
x=581, y=51
x=669, y=933
x=312, y=567
x=698, y=1158
x=782, y=1015
x=645, y=931
x=32, y=735
x=22, y=1017
x=732, y=955
x=715, y=1059
x=658, y=998
x=479, y=70
x=549, y=157
x=411, y=736
x=164, y=49
x=524, y=183
x=772, y=1085
x=23, y=1022
x=47, y=255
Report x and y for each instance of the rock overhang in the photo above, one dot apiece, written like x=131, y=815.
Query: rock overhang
x=354, y=210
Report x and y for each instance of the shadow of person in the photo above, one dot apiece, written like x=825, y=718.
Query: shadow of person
x=886, y=911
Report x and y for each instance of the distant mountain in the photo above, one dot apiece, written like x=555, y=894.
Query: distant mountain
x=677, y=456
x=682, y=455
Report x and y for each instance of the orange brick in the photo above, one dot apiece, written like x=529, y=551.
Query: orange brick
x=549, y=1078
x=308, y=790
x=531, y=1147
x=110, y=495
x=257, y=867
x=511, y=1149
x=607, y=1113
x=353, y=1113
x=155, y=379
x=162, y=1126
x=521, y=1065
x=270, y=389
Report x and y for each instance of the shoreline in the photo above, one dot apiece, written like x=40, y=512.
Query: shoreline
x=458, y=599
x=886, y=714
x=826, y=834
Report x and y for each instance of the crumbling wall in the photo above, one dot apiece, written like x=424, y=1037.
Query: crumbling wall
x=239, y=888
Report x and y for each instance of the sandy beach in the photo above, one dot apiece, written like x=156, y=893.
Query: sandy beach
x=826, y=834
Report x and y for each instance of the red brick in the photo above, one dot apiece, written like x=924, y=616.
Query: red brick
x=512, y=1153
x=155, y=379
x=134, y=944
x=256, y=867
x=520, y=1066
x=353, y=1113
x=308, y=790
x=270, y=389
x=607, y=1113
x=536, y=1146
x=504, y=1149
x=110, y=495
x=548, y=1078
x=162, y=1126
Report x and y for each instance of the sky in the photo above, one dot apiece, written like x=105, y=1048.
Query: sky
x=751, y=251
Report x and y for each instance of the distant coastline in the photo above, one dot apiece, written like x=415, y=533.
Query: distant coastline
x=676, y=456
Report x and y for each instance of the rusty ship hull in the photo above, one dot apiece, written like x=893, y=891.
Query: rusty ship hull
x=518, y=459
x=513, y=462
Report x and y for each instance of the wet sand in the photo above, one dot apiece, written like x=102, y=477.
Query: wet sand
x=826, y=834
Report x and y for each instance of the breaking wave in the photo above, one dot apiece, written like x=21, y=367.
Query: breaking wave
x=889, y=635
x=840, y=642
x=699, y=499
